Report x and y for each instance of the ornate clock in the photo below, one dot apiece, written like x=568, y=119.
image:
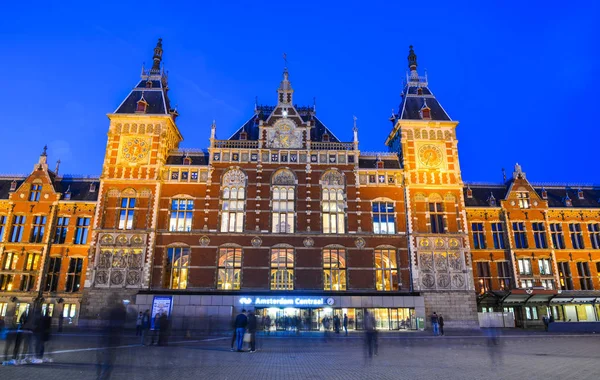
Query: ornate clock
x=135, y=149
x=284, y=134
x=430, y=156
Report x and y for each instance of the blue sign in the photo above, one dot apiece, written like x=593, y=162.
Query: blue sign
x=160, y=305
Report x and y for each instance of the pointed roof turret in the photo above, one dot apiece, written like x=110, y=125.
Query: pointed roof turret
x=152, y=89
x=285, y=90
x=412, y=60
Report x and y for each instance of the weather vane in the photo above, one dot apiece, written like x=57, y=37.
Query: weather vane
x=285, y=60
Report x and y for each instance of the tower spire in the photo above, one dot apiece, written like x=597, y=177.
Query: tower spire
x=285, y=90
x=412, y=60
x=157, y=58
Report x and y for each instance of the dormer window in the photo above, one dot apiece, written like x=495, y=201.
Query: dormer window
x=469, y=192
x=419, y=91
x=580, y=194
x=544, y=193
x=380, y=164
x=568, y=201
x=325, y=137
x=426, y=113
x=187, y=160
x=141, y=106
x=92, y=187
x=244, y=135
x=148, y=84
x=523, y=197
x=492, y=200
x=67, y=195
x=13, y=185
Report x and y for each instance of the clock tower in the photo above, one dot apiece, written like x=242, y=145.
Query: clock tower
x=424, y=137
x=141, y=133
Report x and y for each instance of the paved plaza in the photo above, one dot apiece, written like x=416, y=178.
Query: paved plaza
x=517, y=355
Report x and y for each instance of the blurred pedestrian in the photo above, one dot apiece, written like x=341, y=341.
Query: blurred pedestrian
x=346, y=324
x=494, y=347
x=252, y=324
x=441, y=323
x=138, y=324
x=163, y=330
x=146, y=322
x=435, y=324
x=545, y=321
x=268, y=324
x=241, y=321
x=114, y=318
x=336, y=324
x=370, y=334
x=155, y=328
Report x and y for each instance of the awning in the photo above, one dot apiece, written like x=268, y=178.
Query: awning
x=523, y=296
x=575, y=300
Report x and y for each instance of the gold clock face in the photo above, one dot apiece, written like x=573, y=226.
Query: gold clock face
x=430, y=156
x=135, y=150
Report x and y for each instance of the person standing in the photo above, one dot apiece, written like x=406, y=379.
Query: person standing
x=336, y=324
x=241, y=321
x=163, y=330
x=346, y=324
x=156, y=329
x=252, y=324
x=371, y=334
x=435, y=323
x=441, y=322
x=145, y=325
x=267, y=325
x=138, y=324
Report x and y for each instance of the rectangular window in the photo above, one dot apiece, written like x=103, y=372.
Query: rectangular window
x=81, y=230
x=436, y=218
x=61, y=230
x=386, y=270
x=6, y=282
x=283, y=210
x=526, y=284
x=182, y=211
x=53, y=275
x=69, y=311
x=332, y=206
x=3, y=308
x=539, y=235
x=503, y=275
x=548, y=284
x=576, y=235
x=478, y=236
x=523, y=198
x=558, y=239
x=27, y=283
x=230, y=269
x=520, y=235
x=585, y=276
x=232, y=215
x=126, y=213
x=37, y=229
x=524, y=266
x=36, y=190
x=484, y=275
x=593, y=229
x=564, y=275
x=74, y=275
x=16, y=233
x=33, y=262
x=48, y=309
x=545, y=266
x=10, y=261
x=2, y=226
x=498, y=235
x=531, y=312
x=384, y=218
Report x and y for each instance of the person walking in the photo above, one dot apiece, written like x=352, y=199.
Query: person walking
x=336, y=324
x=346, y=324
x=441, y=322
x=241, y=321
x=146, y=322
x=435, y=323
x=371, y=334
x=267, y=325
x=252, y=325
x=138, y=324
x=156, y=328
x=163, y=330
x=114, y=317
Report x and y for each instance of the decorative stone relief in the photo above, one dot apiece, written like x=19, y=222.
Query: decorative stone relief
x=428, y=281
x=443, y=280
x=360, y=243
x=308, y=242
x=256, y=241
x=117, y=278
x=204, y=241
x=458, y=280
x=426, y=261
x=284, y=177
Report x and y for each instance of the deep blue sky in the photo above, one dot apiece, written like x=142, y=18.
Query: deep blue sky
x=522, y=79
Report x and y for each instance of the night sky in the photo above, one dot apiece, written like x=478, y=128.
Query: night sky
x=521, y=78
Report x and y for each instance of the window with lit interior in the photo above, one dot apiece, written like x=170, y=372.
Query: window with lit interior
x=282, y=269
x=386, y=270
x=177, y=267
x=233, y=192
x=333, y=203
x=229, y=268
x=283, y=202
x=334, y=269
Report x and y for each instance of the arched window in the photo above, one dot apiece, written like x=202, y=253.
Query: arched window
x=386, y=269
x=234, y=200
x=282, y=269
x=230, y=268
x=181, y=215
x=178, y=262
x=332, y=203
x=283, y=206
x=334, y=269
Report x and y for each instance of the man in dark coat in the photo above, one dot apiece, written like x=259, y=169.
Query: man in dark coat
x=241, y=321
x=252, y=325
